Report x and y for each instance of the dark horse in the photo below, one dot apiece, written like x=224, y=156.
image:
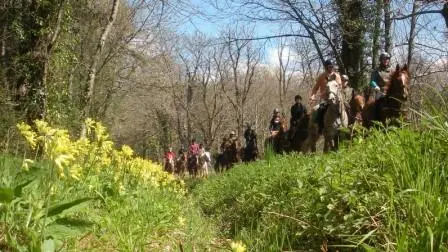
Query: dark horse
x=229, y=156
x=298, y=134
x=389, y=108
x=193, y=165
x=250, y=153
x=181, y=164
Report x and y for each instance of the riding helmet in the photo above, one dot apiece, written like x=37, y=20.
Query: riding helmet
x=328, y=63
x=384, y=55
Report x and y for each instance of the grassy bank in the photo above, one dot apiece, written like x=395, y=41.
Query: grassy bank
x=85, y=195
x=387, y=192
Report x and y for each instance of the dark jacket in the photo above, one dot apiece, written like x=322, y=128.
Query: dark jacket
x=298, y=111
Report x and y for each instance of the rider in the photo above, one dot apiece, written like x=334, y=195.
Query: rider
x=321, y=86
x=249, y=134
x=321, y=83
x=347, y=91
x=298, y=112
x=170, y=155
x=193, y=150
x=232, y=138
x=380, y=76
x=224, y=145
x=274, y=126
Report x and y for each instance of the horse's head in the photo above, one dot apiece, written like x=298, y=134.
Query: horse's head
x=398, y=86
x=333, y=90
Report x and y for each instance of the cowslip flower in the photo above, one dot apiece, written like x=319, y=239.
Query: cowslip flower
x=26, y=163
x=238, y=246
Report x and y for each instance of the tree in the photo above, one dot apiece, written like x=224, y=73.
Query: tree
x=32, y=28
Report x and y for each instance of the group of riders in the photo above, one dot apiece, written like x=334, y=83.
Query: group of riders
x=198, y=159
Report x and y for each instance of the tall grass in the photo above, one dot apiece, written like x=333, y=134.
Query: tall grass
x=387, y=192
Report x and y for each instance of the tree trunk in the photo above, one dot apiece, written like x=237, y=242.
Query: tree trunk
x=376, y=33
x=41, y=43
x=95, y=60
x=445, y=13
x=387, y=27
x=353, y=30
x=412, y=33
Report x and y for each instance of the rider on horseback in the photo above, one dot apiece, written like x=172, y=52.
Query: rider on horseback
x=298, y=112
x=274, y=126
x=170, y=155
x=193, y=150
x=321, y=83
x=321, y=86
x=380, y=76
x=378, y=80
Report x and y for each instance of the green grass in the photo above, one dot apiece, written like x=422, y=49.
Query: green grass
x=386, y=193
x=92, y=215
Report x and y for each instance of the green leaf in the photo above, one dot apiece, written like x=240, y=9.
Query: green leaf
x=73, y=222
x=18, y=189
x=6, y=195
x=63, y=232
x=48, y=246
x=57, y=209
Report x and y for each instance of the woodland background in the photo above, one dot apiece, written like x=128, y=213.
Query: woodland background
x=140, y=68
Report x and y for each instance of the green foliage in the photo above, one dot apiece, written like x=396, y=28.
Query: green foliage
x=387, y=192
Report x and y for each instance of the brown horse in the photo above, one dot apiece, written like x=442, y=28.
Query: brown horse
x=231, y=155
x=389, y=108
x=278, y=140
x=169, y=165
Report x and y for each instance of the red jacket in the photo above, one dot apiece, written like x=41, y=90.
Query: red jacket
x=194, y=149
x=170, y=155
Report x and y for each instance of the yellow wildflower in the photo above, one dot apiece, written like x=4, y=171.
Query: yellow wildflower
x=181, y=220
x=62, y=161
x=26, y=163
x=29, y=135
x=127, y=151
x=238, y=246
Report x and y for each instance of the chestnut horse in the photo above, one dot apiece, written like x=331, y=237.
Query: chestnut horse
x=169, y=165
x=279, y=139
x=389, y=108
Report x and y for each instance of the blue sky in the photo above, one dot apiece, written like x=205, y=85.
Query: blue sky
x=212, y=21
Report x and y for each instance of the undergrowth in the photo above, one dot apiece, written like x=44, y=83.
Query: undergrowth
x=387, y=192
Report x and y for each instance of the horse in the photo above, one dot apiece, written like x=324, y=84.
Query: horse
x=250, y=152
x=203, y=165
x=181, y=165
x=298, y=134
x=388, y=109
x=233, y=153
x=169, y=165
x=332, y=121
x=221, y=162
x=193, y=165
x=279, y=139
